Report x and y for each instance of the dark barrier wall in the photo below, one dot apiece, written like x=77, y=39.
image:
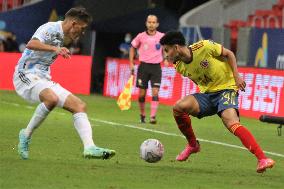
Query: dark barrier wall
x=24, y=21
x=267, y=48
x=73, y=74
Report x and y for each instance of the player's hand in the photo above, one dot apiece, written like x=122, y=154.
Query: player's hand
x=240, y=83
x=64, y=52
x=132, y=69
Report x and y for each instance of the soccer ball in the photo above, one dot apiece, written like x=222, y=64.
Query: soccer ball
x=151, y=150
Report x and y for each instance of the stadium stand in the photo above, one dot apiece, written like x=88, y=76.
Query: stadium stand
x=216, y=13
x=6, y=5
x=261, y=18
x=226, y=14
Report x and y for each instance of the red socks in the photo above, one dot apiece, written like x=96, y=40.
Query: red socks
x=184, y=124
x=248, y=140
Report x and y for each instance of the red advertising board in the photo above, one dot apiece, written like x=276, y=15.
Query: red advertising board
x=264, y=92
x=73, y=74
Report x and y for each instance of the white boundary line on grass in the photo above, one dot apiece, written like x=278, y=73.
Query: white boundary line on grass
x=177, y=135
x=150, y=130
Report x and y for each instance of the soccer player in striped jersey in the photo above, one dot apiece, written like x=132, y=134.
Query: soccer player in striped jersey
x=214, y=69
x=33, y=82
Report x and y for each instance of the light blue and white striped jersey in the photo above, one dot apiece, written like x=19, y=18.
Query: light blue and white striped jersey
x=38, y=62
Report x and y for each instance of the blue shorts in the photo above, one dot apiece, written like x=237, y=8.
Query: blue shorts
x=216, y=102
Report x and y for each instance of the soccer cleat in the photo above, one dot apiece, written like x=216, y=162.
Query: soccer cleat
x=142, y=119
x=263, y=164
x=153, y=120
x=187, y=151
x=95, y=152
x=23, y=146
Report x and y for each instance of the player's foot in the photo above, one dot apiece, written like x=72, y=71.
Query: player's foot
x=98, y=153
x=263, y=164
x=153, y=120
x=142, y=119
x=23, y=146
x=187, y=151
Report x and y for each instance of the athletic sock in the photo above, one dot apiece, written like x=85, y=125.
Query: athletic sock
x=248, y=140
x=38, y=117
x=154, y=108
x=142, y=108
x=84, y=129
x=184, y=124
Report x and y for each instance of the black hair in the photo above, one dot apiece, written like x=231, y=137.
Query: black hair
x=173, y=38
x=154, y=16
x=79, y=13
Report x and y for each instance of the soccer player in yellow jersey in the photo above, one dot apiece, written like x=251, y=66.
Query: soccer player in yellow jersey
x=214, y=69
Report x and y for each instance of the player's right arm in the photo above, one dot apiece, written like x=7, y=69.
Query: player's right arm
x=37, y=45
x=131, y=59
x=42, y=39
x=135, y=43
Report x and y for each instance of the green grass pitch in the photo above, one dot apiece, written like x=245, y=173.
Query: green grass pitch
x=56, y=160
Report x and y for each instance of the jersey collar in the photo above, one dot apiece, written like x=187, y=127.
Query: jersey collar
x=191, y=55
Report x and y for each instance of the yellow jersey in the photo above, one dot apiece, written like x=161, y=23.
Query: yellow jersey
x=208, y=69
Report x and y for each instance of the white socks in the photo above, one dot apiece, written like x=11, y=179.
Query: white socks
x=40, y=114
x=81, y=124
x=84, y=129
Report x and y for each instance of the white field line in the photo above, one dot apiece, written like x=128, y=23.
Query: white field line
x=151, y=130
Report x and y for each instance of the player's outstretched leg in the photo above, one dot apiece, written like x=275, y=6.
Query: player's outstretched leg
x=23, y=146
x=263, y=164
x=98, y=153
x=251, y=144
x=184, y=155
x=184, y=124
x=84, y=129
x=38, y=117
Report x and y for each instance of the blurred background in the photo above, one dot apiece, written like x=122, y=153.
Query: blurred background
x=253, y=29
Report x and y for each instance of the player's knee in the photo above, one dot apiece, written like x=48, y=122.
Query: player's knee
x=81, y=106
x=141, y=99
x=51, y=101
x=177, y=107
x=182, y=106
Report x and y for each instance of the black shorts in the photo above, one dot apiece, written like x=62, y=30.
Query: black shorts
x=148, y=72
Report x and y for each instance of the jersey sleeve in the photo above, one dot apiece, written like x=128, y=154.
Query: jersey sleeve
x=136, y=41
x=214, y=48
x=44, y=33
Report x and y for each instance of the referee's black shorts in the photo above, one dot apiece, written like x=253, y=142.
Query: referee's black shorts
x=148, y=72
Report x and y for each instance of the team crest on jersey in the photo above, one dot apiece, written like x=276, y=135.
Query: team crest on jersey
x=204, y=63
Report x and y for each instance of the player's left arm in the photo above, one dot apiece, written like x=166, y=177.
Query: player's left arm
x=233, y=63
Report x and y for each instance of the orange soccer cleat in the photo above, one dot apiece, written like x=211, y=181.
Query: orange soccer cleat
x=187, y=151
x=263, y=164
